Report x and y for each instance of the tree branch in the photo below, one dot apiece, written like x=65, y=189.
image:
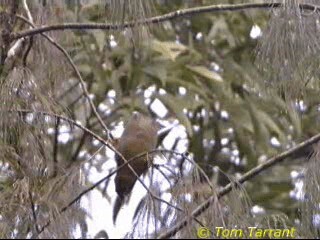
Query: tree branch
x=157, y=19
x=247, y=176
x=34, y=214
x=55, y=148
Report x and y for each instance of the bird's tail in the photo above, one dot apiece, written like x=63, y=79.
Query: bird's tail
x=118, y=204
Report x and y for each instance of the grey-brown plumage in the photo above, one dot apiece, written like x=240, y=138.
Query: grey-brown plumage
x=139, y=136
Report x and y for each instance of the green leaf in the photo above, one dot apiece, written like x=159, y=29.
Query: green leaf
x=100, y=38
x=158, y=71
x=206, y=73
x=261, y=133
x=270, y=124
x=170, y=50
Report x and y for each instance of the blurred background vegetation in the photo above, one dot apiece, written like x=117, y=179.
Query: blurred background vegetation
x=219, y=81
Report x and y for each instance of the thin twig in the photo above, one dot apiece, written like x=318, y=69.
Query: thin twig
x=55, y=148
x=247, y=176
x=77, y=72
x=81, y=143
x=34, y=214
x=157, y=19
x=30, y=18
x=70, y=121
x=26, y=54
x=26, y=8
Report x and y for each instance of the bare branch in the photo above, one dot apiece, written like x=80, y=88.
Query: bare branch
x=55, y=148
x=34, y=214
x=157, y=19
x=27, y=10
x=247, y=176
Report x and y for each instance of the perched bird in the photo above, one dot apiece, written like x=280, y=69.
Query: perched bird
x=139, y=136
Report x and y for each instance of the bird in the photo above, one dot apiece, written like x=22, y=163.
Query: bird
x=139, y=136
